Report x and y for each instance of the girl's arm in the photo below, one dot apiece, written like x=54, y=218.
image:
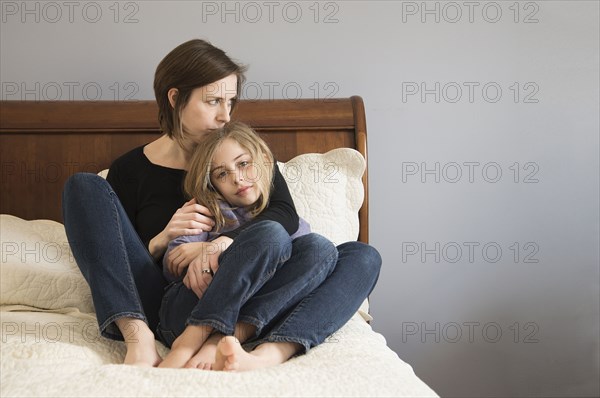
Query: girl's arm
x=281, y=208
x=195, y=279
x=176, y=255
x=197, y=254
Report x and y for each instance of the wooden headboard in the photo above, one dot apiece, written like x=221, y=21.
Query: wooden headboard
x=42, y=143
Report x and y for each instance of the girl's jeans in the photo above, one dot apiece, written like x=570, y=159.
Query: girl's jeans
x=261, y=276
x=292, y=291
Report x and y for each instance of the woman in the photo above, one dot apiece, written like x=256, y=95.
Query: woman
x=120, y=229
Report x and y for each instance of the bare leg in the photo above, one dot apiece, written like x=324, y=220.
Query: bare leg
x=205, y=358
x=186, y=346
x=232, y=357
x=139, y=339
x=243, y=331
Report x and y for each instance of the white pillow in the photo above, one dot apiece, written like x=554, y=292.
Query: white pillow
x=328, y=191
x=38, y=268
x=103, y=173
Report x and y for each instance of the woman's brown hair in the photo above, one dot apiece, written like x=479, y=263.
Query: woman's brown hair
x=195, y=63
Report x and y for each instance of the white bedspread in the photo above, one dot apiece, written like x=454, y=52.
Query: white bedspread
x=51, y=346
x=60, y=354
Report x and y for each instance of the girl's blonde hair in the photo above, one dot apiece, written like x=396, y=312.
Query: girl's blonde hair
x=197, y=182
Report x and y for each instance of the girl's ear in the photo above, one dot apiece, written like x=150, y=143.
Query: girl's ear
x=172, y=95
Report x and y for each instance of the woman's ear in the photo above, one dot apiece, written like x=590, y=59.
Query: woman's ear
x=172, y=94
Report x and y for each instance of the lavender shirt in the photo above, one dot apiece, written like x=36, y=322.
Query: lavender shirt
x=238, y=216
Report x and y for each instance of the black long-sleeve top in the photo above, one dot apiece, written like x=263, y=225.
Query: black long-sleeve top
x=150, y=194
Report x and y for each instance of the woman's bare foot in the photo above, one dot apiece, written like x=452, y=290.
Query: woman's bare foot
x=142, y=354
x=186, y=346
x=205, y=358
x=232, y=357
x=139, y=340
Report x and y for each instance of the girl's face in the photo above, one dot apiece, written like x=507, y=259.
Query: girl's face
x=208, y=108
x=234, y=174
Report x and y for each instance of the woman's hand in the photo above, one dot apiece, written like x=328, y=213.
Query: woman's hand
x=181, y=256
x=190, y=219
x=201, y=270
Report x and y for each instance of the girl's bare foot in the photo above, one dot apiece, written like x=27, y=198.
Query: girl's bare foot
x=205, y=358
x=232, y=357
x=186, y=346
x=177, y=358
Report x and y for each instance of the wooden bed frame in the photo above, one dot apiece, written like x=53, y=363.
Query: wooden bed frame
x=43, y=143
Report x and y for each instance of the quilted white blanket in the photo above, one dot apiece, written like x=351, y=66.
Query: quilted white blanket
x=51, y=346
x=60, y=354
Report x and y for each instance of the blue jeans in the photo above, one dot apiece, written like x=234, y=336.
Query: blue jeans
x=262, y=275
x=124, y=278
x=126, y=282
x=328, y=307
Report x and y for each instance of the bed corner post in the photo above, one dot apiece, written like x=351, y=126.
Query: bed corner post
x=360, y=135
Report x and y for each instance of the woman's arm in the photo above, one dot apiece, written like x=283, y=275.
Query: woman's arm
x=196, y=253
x=281, y=208
x=128, y=196
x=154, y=203
x=188, y=220
x=179, y=254
x=197, y=280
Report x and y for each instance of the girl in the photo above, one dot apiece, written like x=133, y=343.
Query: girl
x=119, y=229
x=233, y=197
x=231, y=174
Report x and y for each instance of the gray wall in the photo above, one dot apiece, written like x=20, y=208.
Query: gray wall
x=490, y=281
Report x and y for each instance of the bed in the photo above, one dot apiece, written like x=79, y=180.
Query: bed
x=50, y=342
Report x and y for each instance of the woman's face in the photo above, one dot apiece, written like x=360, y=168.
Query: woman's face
x=208, y=108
